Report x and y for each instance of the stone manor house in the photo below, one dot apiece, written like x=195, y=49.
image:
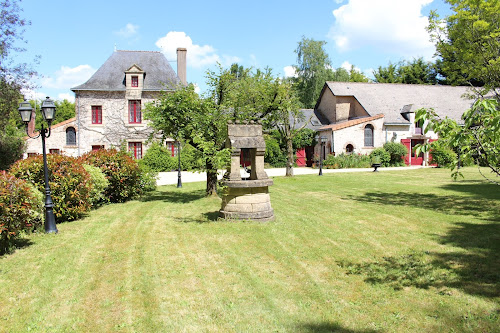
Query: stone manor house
x=108, y=106
x=354, y=117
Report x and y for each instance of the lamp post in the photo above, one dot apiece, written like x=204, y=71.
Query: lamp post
x=48, y=112
x=323, y=140
x=179, y=181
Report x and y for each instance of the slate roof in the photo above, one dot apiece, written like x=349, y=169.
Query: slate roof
x=159, y=75
x=313, y=118
x=391, y=99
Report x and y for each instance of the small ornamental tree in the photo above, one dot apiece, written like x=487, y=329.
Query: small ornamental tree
x=478, y=139
x=121, y=170
x=20, y=209
x=70, y=183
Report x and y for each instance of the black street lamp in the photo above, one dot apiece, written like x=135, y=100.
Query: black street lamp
x=48, y=113
x=179, y=181
x=323, y=140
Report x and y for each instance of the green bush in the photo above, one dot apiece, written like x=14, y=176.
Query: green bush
x=99, y=185
x=442, y=155
x=397, y=152
x=158, y=158
x=274, y=155
x=148, y=179
x=381, y=155
x=344, y=161
x=20, y=209
x=70, y=184
x=121, y=170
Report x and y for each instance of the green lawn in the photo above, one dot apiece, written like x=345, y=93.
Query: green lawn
x=393, y=251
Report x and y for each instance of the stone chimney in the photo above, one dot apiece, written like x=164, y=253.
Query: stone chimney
x=181, y=64
x=31, y=124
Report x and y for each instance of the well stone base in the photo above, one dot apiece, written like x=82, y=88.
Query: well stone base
x=247, y=203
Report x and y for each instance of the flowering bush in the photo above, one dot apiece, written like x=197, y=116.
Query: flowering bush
x=121, y=170
x=70, y=184
x=20, y=209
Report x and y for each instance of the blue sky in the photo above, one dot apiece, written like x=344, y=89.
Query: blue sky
x=74, y=38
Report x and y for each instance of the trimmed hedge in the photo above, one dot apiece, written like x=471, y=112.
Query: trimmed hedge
x=121, y=170
x=21, y=209
x=70, y=184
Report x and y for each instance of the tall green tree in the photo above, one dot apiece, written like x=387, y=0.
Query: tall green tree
x=468, y=43
x=313, y=70
x=202, y=121
x=416, y=71
x=13, y=77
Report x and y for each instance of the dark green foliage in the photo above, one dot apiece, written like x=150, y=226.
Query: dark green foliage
x=417, y=71
x=12, y=145
x=397, y=151
x=343, y=161
x=274, y=155
x=20, y=209
x=442, y=155
x=70, y=184
x=99, y=185
x=122, y=172
x=380, y=155
x=303, y=138
x=158, y=158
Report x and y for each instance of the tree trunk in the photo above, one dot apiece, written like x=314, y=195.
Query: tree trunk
x=211, y=180
x=290, y=157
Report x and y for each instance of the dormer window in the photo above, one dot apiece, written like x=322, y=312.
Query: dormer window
x=135, y=81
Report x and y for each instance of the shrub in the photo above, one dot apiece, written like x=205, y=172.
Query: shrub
x=442, y=155
x=20, y=209
x=121, y=170
x=158, y=158
x=343, y=161
x=148, y=179
x=70, y=184
x=99, y=185
x=381, y=154
x=397, y=152
x=274, y=155
x=190, y=159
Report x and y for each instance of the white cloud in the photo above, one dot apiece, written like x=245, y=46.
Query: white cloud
x=68, y=77
x=198, y=56
x=30, y=94
x=347, y=66
x=290, y=71
x=129, y=31
x=63, y=96
x=392, y=25
x=197, y=88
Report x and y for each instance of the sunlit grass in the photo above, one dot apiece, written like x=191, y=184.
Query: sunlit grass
x=390, y=251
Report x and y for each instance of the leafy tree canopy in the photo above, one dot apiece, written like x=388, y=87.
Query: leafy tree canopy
x=468, y=43
x=417, y=71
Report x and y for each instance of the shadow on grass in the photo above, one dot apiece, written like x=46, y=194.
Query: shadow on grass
x=17, y=244
x=476, y=271
x=174, y=196
x=207, y=217
x=449, y=204
x=327, y=327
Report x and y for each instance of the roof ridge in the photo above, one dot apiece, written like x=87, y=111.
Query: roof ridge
x=138, y=51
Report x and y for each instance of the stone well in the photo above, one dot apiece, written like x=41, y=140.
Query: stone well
x=248, y=198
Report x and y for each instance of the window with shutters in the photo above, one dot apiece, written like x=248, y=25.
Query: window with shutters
x=134, y=111
x=96, y=114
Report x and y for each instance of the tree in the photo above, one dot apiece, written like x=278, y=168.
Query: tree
x=468, y=44
x=313, y=70
x=200, y=122
x=477, y=140
x=417, y=71
x=13, y=77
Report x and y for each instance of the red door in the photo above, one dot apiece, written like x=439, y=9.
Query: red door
x=411, y=159
x=301, y=157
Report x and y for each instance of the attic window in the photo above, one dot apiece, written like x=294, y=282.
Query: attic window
x=315, y=122
x=135, y=81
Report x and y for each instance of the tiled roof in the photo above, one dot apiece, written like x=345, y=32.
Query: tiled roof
x=390, y=98
x=159, y=75
x=350, y=123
